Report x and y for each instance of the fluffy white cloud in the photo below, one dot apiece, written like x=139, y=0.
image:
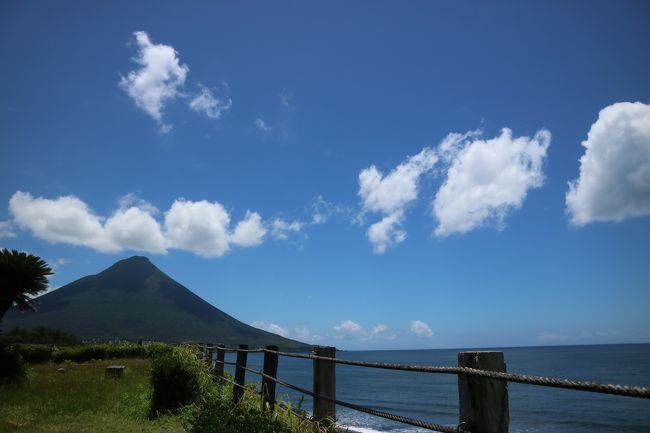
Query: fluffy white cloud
x=158, y=80
x=378, y=330
x=421, y=329
x=486, y=179
x=201, y=227
x=250, y=231
x=6, y=230
x=614, y=181
x=280, y=228
x=386, y=233
x=198, y=226
x=205, y=102
x=135, y=229
x=271, y=327
x=349, y=329
x=65, y=219
x=261, y=125
x=390, y=195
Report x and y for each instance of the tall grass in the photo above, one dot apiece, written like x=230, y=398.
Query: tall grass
x=218, y=414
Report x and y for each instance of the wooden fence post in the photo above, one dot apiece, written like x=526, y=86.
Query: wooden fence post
x=270, y=369
x=240, y=373
x=219, y=365
x=324, y=384
x=483, y=402
x=210, y=352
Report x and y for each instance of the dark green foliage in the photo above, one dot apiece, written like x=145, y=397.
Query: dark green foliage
x=12, y=367
x=178, y=378
x=35, y=353
x=133, y=299
x=22, y=276
x=87, y=352
x=39, y=335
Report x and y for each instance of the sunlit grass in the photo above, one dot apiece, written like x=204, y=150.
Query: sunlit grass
x=82, y=400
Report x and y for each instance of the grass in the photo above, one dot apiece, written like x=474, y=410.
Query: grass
x=82, y=400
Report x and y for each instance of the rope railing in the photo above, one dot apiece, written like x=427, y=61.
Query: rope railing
x=464, y=370
x=628, y=391
x=370, y=411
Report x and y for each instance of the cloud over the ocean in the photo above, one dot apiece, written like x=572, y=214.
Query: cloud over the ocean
x=614, y=180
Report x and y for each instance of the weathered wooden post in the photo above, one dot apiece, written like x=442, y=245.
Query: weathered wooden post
x=209, y=354
x=324, y=384
x=219, y=365
x=270, y=369
x=483, y=402
x=240, y=373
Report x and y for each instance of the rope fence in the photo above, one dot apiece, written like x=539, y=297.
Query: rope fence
x=477, y=374
x=628, y=391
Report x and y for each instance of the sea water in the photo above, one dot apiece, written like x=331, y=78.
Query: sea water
x=434, y=397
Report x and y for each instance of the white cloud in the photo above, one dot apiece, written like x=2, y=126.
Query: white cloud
x=201, y=227
x=6, y=230
x=386, y=233
x=261, y=125
x=271, y=327
x=322, y=210
x=250, y=231
x=65, y=219
x=198, y=226
x=486, y=179
x=614, y=181
x=302, y=334
x=280, y=228
x=158, y=80
x=349, y=329
x=421, y=329
x=390, y=195
x=378, y=330
x=135, y=229
x=205, y=102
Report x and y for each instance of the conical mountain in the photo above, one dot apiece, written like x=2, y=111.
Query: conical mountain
x=134, y=299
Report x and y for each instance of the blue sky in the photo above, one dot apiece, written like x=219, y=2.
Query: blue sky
x=339, y=172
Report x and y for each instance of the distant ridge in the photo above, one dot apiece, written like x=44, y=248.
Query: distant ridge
x=134, y=299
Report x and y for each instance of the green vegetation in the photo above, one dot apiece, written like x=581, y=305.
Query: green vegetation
x=12, y=367
x=39, y=335
x=178, y=378
x=89, y=352
x=218, y=414
x=22, y=276
x=82, y=400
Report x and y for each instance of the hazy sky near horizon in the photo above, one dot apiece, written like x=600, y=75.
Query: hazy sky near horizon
x=369, y=175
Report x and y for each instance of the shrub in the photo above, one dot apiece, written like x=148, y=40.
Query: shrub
x=39, y=335
x=217, y=414
x=178, y=377
x=35, y=352
x=12, y=367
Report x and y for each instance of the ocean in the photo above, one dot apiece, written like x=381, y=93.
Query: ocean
x=434, y=397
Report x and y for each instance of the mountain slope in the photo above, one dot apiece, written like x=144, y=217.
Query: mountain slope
x=134, y=299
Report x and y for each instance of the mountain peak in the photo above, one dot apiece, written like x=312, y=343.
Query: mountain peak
x=132, y=271
x=134, y=299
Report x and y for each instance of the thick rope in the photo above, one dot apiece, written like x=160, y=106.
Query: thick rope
x=628, y=391
x=386, y=415
x=232, y=382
